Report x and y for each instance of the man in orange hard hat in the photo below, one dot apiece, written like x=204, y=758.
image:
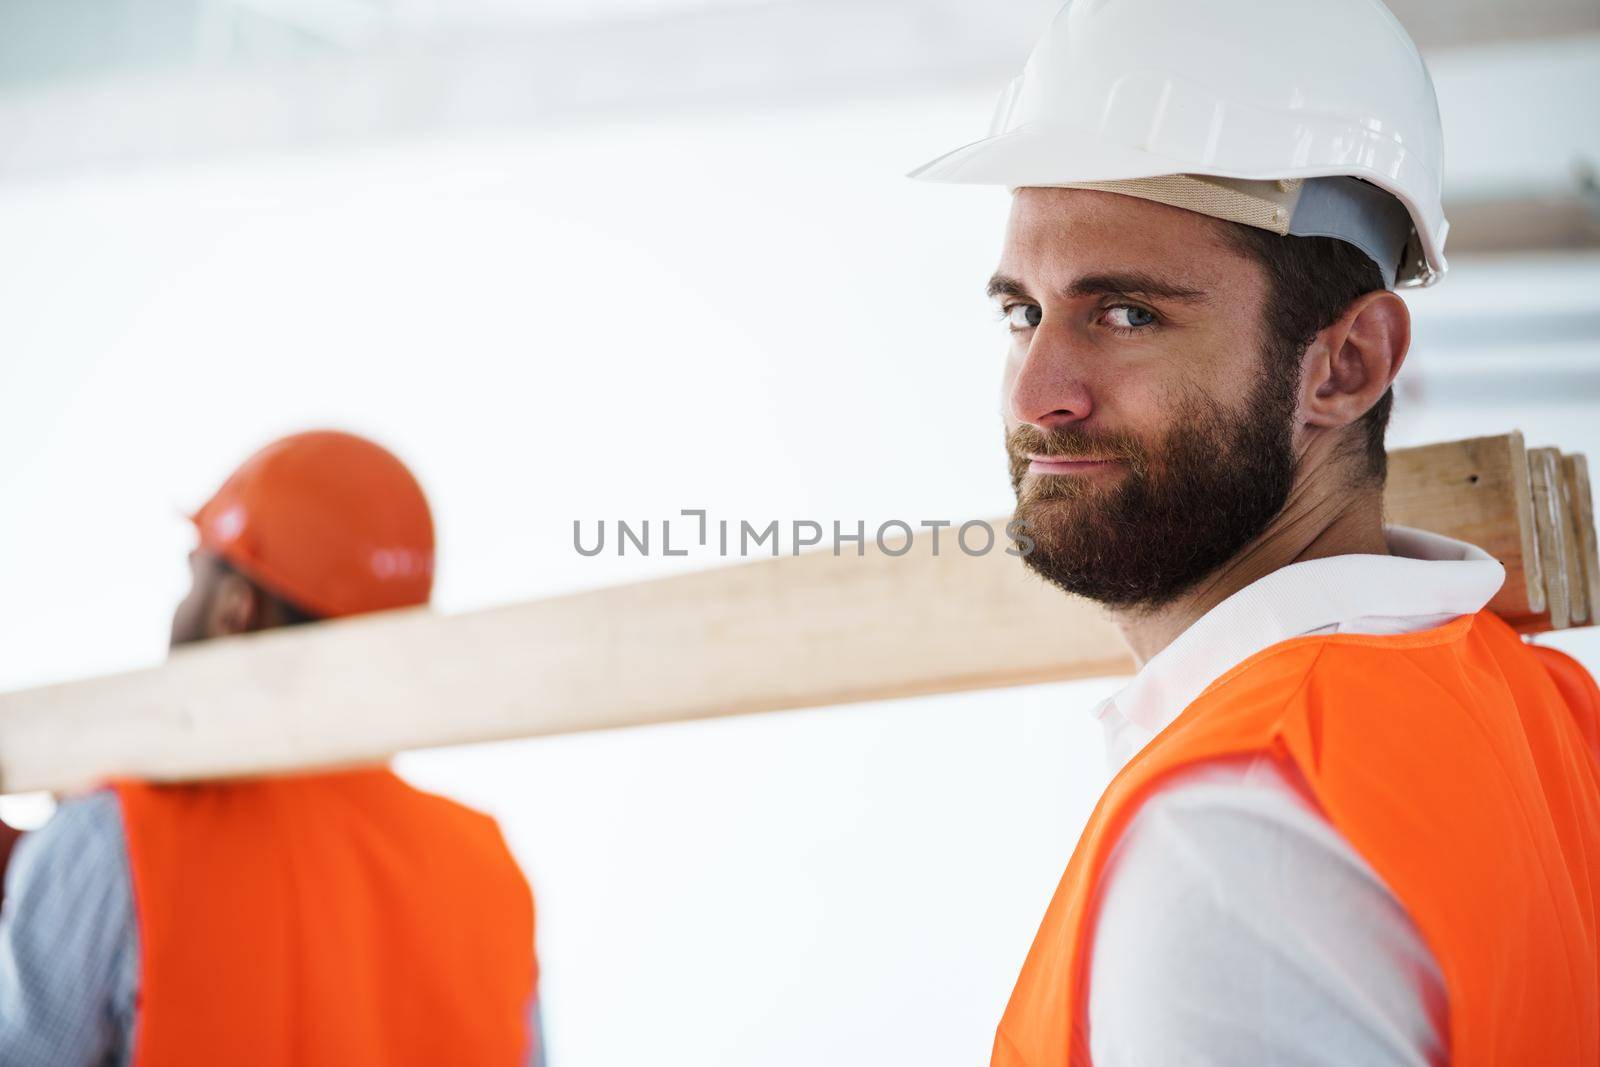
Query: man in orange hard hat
x=309, y=921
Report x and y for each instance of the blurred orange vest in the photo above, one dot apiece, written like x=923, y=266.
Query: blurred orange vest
x=325, y=921
x=1463, y=764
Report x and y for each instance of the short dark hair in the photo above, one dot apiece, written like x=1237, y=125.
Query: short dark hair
x=1310, y=282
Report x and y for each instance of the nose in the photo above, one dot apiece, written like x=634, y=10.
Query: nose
x=1044, y=386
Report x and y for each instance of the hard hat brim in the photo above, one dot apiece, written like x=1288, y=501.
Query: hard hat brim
x=1042, y=156
x=1037, y=157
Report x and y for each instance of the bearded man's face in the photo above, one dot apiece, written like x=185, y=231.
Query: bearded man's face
x=1150, y=438
x=1186, y=505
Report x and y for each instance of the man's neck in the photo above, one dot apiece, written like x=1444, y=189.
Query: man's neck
x=1312, y=525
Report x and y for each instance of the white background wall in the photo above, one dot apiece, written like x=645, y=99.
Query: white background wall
x=749, y=312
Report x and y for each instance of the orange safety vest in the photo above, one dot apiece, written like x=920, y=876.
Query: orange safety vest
x=325, y=921
x=1463, y=764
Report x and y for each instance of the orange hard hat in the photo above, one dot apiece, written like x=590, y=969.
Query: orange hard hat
x=331, y=522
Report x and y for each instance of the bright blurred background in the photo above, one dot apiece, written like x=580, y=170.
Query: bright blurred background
x=614, y=259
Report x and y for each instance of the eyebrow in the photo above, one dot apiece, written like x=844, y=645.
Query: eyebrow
x=1128, y=283
x=1001, y=285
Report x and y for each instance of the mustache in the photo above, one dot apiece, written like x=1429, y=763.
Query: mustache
x=1069, y=441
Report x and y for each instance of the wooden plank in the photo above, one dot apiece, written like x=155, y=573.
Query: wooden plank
x=806, y=631
x=1476, y=491
x=1571, y=561
x=1571, y=564
x=779, y=633
x=1550, y=533
x=1580, y=498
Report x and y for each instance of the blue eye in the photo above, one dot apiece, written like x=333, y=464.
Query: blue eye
x=1129, y=317
x=1023, y=316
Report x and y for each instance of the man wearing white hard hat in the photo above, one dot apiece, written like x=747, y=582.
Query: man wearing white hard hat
x=1355, y=819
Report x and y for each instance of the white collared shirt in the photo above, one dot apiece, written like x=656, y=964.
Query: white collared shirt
x=1235, y=924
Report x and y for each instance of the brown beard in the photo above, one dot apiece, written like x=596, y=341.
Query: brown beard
x=1177, y=513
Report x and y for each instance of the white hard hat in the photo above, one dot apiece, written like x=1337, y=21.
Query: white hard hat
x=1236, y=108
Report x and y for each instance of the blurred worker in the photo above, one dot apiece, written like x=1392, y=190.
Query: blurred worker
x=1356, y=818
x=328, y=919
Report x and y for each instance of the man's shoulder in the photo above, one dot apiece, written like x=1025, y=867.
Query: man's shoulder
x=1241, y=802
x=83, y=845
x=1327, y=703
x=446, y=819
x=445, y=806
x=1230, y=894
x=88, y=822
x=1365, y=663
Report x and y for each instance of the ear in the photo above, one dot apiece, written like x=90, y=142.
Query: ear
x=235, y=608
x=1351, y=362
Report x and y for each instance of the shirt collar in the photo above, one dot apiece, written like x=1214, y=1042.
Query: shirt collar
x=1427, y=580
